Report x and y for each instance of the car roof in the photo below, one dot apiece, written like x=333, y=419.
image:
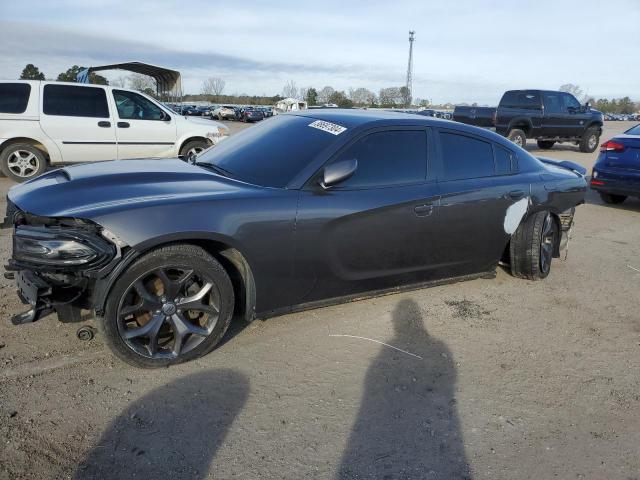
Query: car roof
x=355, y=118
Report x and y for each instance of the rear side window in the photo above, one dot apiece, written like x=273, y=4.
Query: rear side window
x=14, y=97
x=504, y=160
x=70, y=101
x=521, y=99
x=394, y=157
x=465, y=157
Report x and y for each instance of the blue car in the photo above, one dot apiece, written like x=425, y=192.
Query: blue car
x=616, y=174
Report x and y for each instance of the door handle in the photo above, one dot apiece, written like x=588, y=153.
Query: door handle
x=104, y=124
x=516, y=194
x=123, y=125
x=423, y=210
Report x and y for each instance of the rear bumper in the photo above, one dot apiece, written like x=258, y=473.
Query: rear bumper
x=617, y=189
x=617, y=183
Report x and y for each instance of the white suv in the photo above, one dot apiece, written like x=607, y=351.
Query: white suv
x=48, y=123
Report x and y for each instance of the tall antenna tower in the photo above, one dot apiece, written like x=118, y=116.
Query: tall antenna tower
x=410, y=66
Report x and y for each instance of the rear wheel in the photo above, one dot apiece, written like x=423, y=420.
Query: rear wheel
x=533, y=245
x=546, y=144
x=22, y=162
x=612, y=199
x=172, y=305
x=590, y=140
x=518, y=137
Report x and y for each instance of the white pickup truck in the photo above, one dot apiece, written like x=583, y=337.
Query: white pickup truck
x=47, y=123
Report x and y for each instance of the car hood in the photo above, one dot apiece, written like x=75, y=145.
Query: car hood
x=206, y=121
x=93, y=190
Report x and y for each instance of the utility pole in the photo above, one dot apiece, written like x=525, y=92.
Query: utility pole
x=410, y=67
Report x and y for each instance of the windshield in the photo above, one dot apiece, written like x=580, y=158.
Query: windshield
x=271, y=153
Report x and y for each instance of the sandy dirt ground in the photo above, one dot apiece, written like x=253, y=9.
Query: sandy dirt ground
x=494, y=379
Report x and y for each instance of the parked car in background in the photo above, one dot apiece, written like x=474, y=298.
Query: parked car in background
x=266, y=111
x=190, y=111
x=205, y=111
x=478, y=116
x=300, y=211
x=251, y=114
x=46, y=123
x=616, y=173
x=224, y=112
x=548, y=116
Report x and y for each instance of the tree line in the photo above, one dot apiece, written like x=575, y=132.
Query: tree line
x=622, y=105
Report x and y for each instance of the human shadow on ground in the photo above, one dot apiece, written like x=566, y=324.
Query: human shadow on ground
x=407, y=426
x=172, y=432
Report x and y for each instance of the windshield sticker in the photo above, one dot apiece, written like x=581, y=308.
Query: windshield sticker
x=332, y=128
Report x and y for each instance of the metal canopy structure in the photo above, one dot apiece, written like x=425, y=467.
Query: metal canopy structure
x=168, y=82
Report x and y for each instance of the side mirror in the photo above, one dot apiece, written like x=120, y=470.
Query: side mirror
x=165, y=117
x=338, y=172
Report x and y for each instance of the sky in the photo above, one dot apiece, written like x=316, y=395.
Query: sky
x=464, y=50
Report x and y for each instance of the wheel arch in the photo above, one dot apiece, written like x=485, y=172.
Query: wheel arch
x=232, y=259
x=595, y=123
x=521, y=123
x=555, y=214
x=27, y=141
x=184, y=141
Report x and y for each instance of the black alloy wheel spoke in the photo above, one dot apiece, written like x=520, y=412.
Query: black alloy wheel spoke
x=547, y=243
x=171, y=287
x=195, y=302
x=149, y=329
x=181, y=329
x=179, y=319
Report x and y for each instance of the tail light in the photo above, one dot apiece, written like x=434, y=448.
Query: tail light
x=612, y=146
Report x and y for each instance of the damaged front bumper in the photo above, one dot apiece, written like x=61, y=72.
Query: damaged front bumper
x=56, y=263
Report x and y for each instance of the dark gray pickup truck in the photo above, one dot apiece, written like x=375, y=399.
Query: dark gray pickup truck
x=545, y=115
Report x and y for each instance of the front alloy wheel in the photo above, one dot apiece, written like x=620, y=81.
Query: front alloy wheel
x=172, y=305
x=168, y=311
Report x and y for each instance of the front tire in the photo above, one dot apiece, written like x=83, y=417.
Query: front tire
x=518, y=137
x=611, y=198
x=172, y=305
x=21, y=162
x=590, y=140
x=533, y=245
x=546, y=144
x=193, y=148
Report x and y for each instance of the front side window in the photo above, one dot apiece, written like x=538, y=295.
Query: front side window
x=465, y=157
x=14, y=97
x=394, y=157
x=132, y=106
x=570, y=102
x=553, y=102
x=270, y=153
x=72, y=101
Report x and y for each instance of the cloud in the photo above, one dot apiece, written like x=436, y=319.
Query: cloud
x=465, y=51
